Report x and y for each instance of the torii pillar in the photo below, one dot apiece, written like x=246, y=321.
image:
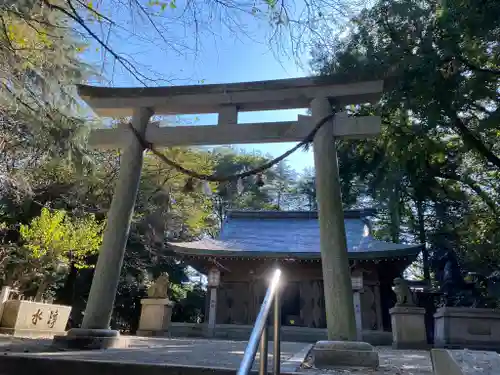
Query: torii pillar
x=227, y=100
x=109, y=264
x=339, y=302
x=95, y=332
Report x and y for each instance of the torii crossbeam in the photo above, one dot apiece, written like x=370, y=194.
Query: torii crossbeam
x=227, y=100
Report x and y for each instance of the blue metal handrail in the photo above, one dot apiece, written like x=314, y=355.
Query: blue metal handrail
x=259, y=332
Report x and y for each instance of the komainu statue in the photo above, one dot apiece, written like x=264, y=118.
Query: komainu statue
x=404, y=296
x=159, y=288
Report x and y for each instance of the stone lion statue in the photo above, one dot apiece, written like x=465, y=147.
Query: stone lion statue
x=404, y=296
x=159, y=288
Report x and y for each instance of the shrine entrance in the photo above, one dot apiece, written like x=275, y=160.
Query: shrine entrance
x=320, y=94
x=290, y=305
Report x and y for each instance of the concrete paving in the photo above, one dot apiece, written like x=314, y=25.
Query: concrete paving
x=185, y=352
x=204, y=353
x=151, y=356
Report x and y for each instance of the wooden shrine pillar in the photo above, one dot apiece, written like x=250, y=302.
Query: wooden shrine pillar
x=378, y=304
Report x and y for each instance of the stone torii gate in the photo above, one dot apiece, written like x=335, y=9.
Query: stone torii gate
x=227, y=100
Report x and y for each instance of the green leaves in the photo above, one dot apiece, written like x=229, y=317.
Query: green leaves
x=40, y=60
x=271, y=3
x=162, y=190
x=56, y=238
x=432, y=167
x=163, y=5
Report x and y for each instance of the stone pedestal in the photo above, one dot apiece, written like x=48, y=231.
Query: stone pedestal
x=155, y=316
x=466, y=327
x=334, y=354
x=34, y=319
x=408, y=327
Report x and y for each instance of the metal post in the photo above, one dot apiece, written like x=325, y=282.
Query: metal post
x=277, y=334
x=263, y=351
x=259, y=328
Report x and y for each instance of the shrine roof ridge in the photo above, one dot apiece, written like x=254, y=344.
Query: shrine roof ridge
x=256, y=214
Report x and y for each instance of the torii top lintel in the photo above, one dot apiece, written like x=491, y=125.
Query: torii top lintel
x=245, y=96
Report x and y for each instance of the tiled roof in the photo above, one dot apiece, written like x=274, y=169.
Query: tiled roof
x=290, y=234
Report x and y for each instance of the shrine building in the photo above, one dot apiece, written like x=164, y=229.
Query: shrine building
x=252, y=243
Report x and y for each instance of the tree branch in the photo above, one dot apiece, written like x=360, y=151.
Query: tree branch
x=476, y=68
x=466, y=180
x=474, y=143
x=75, y=17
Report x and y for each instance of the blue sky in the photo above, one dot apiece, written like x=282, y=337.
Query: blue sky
x=223, y=56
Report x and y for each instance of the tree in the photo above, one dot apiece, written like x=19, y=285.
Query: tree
x=165, y=211
x=40, y=63
x=305, y=191
x=281, y=186
x=165, y=205
x=51, y=243
x=244, y=194
x=39, y=117
x=165, y=24
x=431, y=169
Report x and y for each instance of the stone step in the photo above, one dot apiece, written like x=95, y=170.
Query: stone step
x=331, y=354
x=465, y=362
